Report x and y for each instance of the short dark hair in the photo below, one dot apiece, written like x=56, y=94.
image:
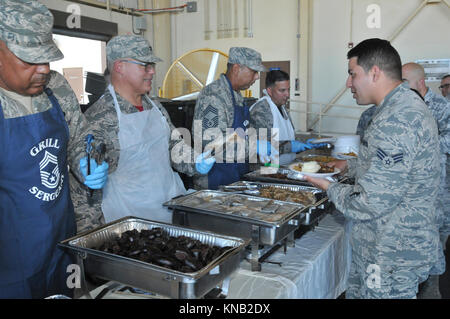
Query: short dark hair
x=275, y=76
x=445, y=76
x=378, y=52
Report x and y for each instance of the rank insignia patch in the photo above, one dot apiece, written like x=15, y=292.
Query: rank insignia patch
x=388, y=160
x=210, y=117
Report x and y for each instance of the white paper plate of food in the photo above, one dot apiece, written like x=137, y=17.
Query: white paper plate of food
x=314, y=169
x=346, y=156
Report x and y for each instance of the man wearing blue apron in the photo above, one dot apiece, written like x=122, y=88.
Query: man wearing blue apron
x=36, y=105
x=220, y=108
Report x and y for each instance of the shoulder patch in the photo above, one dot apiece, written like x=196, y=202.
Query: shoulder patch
x=388, y=160
x=210, y=117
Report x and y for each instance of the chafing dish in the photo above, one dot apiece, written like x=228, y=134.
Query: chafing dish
x=314, y=210
x=254, y=189
x=265, y=221
x=150, y=277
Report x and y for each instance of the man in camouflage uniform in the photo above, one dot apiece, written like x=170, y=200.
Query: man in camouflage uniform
x=445, y=90
x=142, y=145
x=364, y=121
x=366, y=117
x=414, y=74
x=395, y=238
x=269, y=112
x=220, y=109
x=445, y=86
x=38, y=110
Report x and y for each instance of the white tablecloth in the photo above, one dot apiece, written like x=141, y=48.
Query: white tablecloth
x=317, y=267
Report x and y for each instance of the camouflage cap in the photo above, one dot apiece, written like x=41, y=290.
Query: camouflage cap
x=26, y=29
x=246, y=56
x=130, y=46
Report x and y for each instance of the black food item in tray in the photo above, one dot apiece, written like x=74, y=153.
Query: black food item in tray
x=154, y=246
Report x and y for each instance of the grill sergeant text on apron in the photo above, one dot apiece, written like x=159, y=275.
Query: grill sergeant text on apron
x=36, y=211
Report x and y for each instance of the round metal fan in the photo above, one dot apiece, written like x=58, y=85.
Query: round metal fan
x=191, y=72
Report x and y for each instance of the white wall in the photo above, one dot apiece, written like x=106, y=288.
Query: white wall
x=422, y=38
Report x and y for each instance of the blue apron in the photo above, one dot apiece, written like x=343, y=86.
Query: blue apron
x=227, y=173
x=36, y=211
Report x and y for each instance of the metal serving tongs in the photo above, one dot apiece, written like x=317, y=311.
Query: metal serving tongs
x=88, y=140
x=247, y=189
x=97, y=152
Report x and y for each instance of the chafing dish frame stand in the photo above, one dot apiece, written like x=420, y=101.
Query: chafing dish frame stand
x=223, y=287
x=111, y=286
x=81, y=256
x=255, y=260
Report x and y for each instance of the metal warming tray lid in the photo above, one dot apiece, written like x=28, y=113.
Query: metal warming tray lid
x=246, y=208
x=148, y=276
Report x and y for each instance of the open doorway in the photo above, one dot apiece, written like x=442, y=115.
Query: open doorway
x=80, y=56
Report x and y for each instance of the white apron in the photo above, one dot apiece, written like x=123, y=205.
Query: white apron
x=144, y=179
x=285, y=128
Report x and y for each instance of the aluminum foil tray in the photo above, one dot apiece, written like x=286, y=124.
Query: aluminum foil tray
x=251, y=188
x=290, y=177
x=148, y=276
x=256, y=210
x=257, y=176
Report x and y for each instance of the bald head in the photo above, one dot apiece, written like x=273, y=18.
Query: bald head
x=415, y=75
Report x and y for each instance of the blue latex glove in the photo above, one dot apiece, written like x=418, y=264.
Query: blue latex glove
x=98, y=176
x=266, y=151
x=297, y=146
x=316, y=145
x=203, y=163
x=263, y=148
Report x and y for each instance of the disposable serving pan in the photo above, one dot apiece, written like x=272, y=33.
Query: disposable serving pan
x=150, y=277
x=252, y=185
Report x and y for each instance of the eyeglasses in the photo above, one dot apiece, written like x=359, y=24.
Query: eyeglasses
x=147, y=65
x=444, y=86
